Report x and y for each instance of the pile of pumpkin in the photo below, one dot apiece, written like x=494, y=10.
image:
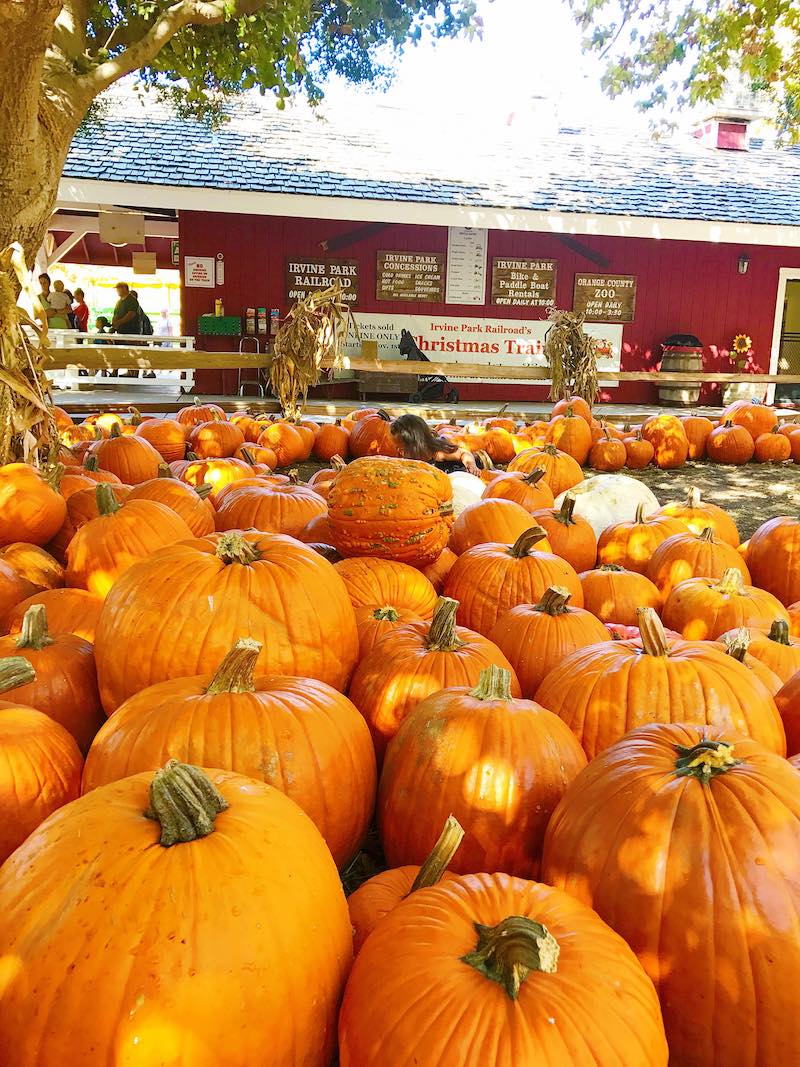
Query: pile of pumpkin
x=567, y=708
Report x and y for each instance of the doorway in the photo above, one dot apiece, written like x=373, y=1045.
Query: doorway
x=786, y=336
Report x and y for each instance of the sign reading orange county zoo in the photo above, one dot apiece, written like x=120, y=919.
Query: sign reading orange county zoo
x=605, y=297
x=524, y=282
x=303, y=276
x=411, y=276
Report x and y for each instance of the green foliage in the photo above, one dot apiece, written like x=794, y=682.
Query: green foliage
x=277, y=46
x=683, y=53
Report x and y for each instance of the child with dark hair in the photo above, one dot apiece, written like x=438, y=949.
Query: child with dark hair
x=416, y=440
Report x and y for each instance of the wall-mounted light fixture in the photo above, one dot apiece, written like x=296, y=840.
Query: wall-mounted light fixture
x=743, y=263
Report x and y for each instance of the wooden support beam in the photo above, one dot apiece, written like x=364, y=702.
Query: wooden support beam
x=582, y=250
x=57, y=254
x=353, y=237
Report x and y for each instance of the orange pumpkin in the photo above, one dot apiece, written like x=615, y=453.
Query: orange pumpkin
x=794, y=444
x=561, y=471
x=374, y=582
x=214, y=472
x=396, y=509
x=579, y=406
x=697, y=429
x=103, y=549
x=214, y=440
x=91, y=470
x=73, y=481
x=489, y=579
x=690, y=555
x=571, y=434
x=776, y=648
x=794, y=619
x=632, y=544
x=773, y=557
x=188, y=603
x=131, y=458
x=31, y=509
x=54, y=674
x=321, y=480
x=697, y=515
x=13, y=589
x=505, y=955
x=139, y=844
x=82, y=507
x=285, y=441
x=376, y=623
x=69, y=611
x=730, y=444
x=668, y=438
x=372, y=436
x=570, y=535
x=787, y=700
x=646, y=831
x=495, y=521
x=604, y=691
x=736, y=643
x=414, y=661
x=607, y=453
x=332, y=440
x=613, y=594
x=41, y=772
x=530, y=491
x=639, y=453
x=296, y=734
x=167, y=436
x=191, y=504
x=437, y=572
x=250, y=426
x=701, y=609
x=537, y=637
x=199, y=412
x=257, y=456
x=520, y=755
x=773, y=447
x=33, y=565
x=282, y=508
x=752, y=415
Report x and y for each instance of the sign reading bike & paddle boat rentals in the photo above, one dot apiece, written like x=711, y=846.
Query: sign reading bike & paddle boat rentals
x=495, y=342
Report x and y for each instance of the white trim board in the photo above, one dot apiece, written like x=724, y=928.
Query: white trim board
x=785, y=274
x=80, y=193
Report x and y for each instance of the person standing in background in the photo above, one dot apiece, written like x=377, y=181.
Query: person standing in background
x=126, y=311
x=81, y=312
x=59, y=306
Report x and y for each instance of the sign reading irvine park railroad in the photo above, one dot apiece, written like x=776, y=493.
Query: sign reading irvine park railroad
x=605, y=297
x=524, y=282
x=303, y=276
x=410, y=276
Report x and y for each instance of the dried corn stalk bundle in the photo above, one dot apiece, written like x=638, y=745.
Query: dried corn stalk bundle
x=315, y=330
x=571, y=356
x=27, y=428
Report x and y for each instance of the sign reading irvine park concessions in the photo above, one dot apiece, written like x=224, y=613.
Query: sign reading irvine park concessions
x=524, y=282
x=303, y=276
x=410, y=276
x=605, y=297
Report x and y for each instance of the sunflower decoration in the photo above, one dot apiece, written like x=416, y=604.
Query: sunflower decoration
x=740, y=349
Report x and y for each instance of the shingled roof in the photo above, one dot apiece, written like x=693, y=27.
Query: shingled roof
x=371, y=150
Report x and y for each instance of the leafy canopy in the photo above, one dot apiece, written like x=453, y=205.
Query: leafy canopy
x=682, y=53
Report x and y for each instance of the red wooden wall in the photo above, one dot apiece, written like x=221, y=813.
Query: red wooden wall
x=682, y=286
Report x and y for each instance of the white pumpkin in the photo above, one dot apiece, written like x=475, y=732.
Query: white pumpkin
x=467, y=488
x=609, y=498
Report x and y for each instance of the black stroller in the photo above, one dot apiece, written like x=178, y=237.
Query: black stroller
x=429, y=386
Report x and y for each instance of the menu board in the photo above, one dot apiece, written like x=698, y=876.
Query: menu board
x=605, y=297
x=466, y=265
x=410, y=276
x=524, y=282
x=303, y=276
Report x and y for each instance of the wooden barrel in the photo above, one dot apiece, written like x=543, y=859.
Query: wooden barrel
x=685, y=361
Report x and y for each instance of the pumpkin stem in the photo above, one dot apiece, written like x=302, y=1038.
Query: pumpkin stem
x=294, y=477
x=737, y=642
x=235, y=673
x=564, y=514
x=705, y=760
x=442, y=635
x=654, y=640
x=550, y=450
x=337, y=463
x=494, y=683
x=693, y=497
x=525, y=542
x=165, y=471
x=731, y=582
x=91, y=463
x=248, y=456
x=136, y=416
x=384, y=415
x=708, y=534
x=484, y=460
x=779, y=632
x=107, y=503
x=15, y=671
x=34, y=629
x=639, y=513
x=534, y=477
x=508, y=952
x=53, y=474
x=386, y=614
x=431, y=871
x=115, y=431
x=234, y=548
x=204, y=490
x=555, y=600
x=615, y=567
x=185, y=803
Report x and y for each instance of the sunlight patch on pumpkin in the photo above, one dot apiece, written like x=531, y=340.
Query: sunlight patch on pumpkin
x=10, y=967
x=491, y=785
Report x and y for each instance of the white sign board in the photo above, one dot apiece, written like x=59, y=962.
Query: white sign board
x=198, y=272
x=466, y=265
x=495, y=342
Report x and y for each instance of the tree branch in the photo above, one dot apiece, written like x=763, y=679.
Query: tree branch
x=175, y=18
x=69, y=35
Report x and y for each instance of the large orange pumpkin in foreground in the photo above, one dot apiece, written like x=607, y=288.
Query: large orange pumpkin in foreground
x=173, y=614
x=529, y=976
x=499, y=765
x=40, y=771
x=773, y=557
x=687, y=842
x=604, y=691
x=414, y=661
x=211, y=877
x=296, y=734
x=396, y=509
